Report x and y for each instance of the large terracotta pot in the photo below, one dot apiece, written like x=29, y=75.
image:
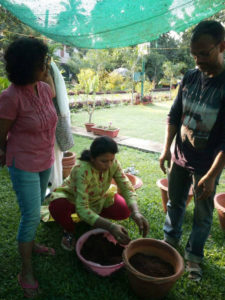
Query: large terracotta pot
x=68, y=161
x=163, y=185
x=219, y=202
x=145, y=286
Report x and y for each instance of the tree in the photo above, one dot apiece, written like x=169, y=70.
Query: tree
x=153, y=66
x=172, y=71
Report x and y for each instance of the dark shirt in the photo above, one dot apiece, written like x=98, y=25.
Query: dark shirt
x=199, y=114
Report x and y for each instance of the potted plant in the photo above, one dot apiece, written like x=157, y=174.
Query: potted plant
x=106, y=130
x=89, y=82
x=147, y=99
x=90, y=109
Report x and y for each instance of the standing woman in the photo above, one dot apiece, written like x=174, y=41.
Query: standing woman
x=27, y=130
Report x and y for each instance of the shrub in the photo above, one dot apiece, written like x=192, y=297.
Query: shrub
x=148, y=87
x=4, y=83
x=113, y=82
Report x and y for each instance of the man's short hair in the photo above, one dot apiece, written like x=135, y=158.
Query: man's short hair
x=212, y=28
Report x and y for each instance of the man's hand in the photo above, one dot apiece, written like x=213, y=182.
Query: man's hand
x=165, y=156
x=120, y=234
x=205, y=188
x=141, y=222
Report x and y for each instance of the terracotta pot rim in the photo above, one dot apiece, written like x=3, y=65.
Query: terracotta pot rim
x=71, y=154
x=165, y=188
x=156, y=280
x=138, y=181
x=160, y=185
x=218, y=206
x=106, y=129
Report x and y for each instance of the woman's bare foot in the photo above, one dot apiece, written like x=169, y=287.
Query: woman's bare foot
x=29, y=285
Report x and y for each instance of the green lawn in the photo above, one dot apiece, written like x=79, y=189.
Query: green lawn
x=140, y=121
x=63, y=277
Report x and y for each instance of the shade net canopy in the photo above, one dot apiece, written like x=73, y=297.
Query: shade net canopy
x=110, y=23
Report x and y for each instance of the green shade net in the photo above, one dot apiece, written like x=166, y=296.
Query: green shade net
x=110, y=23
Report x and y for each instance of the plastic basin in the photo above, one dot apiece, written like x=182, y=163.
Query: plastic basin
x=97, y=268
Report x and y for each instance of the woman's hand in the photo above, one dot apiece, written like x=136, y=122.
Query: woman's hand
x=120, y=234
x=141, y=222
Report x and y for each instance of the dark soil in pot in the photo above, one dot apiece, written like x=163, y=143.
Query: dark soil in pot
x=151, y=265
x=99, y=249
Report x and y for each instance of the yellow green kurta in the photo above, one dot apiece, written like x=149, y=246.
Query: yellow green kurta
x=89, y=190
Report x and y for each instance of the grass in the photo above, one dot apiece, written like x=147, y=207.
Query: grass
x=63, y=277
x=140, y=121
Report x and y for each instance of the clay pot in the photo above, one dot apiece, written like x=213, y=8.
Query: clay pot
x=163, y=185
x=135, y=181
x=94, y=267
x=219, y=202
x=89, y=126
x=68, y=161
x=145, y=286
x=101, y=131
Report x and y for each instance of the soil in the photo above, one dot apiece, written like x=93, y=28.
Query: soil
x=98, y=249
x=151, y=265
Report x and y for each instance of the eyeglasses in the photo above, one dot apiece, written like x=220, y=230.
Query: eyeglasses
x=205, y=54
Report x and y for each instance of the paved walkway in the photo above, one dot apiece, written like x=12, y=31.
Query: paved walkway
x=140, y=144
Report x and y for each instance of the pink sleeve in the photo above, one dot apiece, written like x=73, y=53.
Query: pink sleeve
x=8, y=105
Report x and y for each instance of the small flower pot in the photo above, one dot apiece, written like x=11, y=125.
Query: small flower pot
x=68, y=161
x=219, y=202
x=89, y=126
x=145, y=286
x=163, y=185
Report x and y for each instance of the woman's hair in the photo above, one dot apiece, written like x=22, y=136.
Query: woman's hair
x=23, y=58
x=212, y=28
x=99, y=146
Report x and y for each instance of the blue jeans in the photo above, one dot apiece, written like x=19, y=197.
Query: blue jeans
x=179, y=182
x=30, y=188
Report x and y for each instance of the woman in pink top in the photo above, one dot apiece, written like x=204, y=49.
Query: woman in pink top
x=27, y=132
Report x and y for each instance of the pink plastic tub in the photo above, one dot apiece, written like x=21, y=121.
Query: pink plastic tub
x=97, y=268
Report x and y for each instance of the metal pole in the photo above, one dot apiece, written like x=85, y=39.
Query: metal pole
x=142, y=77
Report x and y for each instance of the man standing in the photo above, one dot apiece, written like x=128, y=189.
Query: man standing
x=197, y=119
